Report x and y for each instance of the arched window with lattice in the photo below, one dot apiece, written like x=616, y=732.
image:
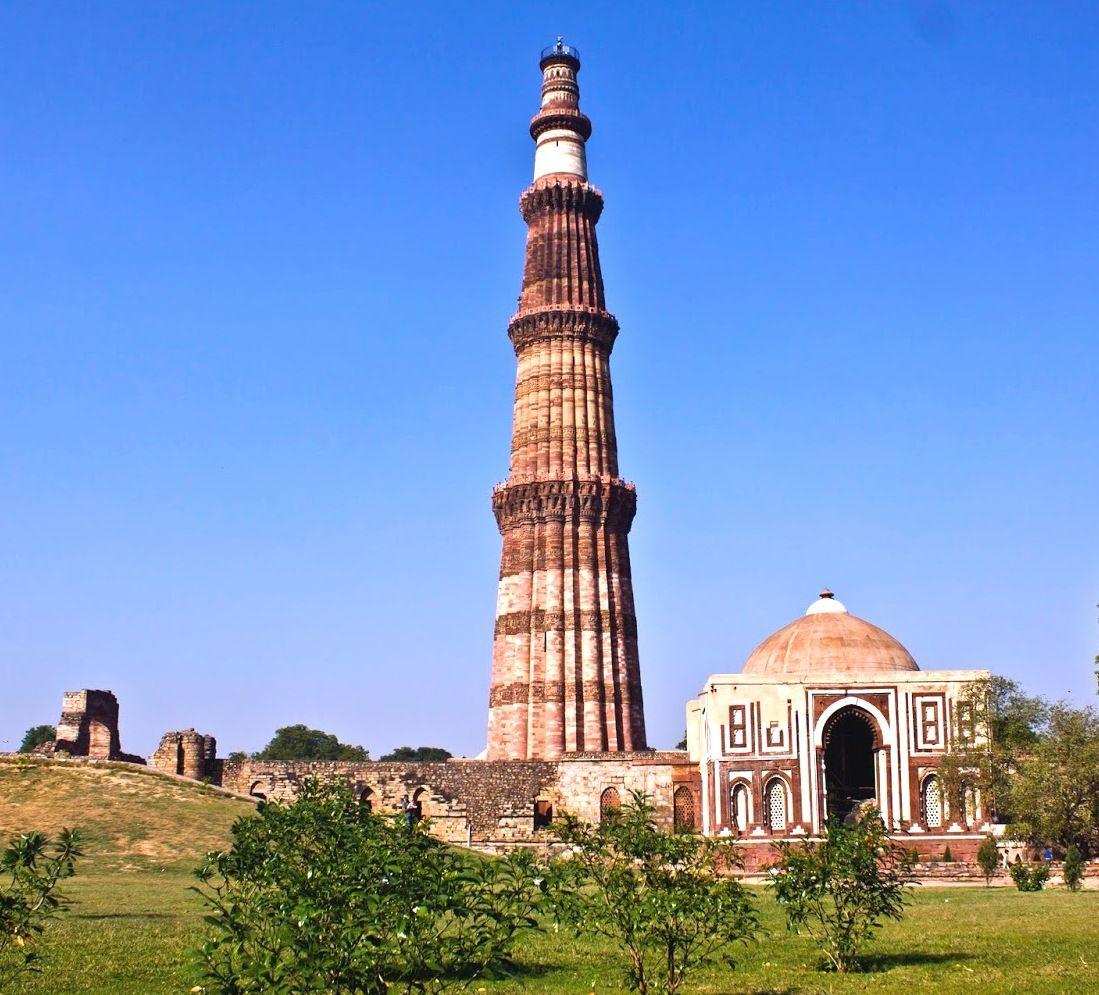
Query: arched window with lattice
x=931, y=802
x=683, y=809
x=609, y=801
x=776, y=805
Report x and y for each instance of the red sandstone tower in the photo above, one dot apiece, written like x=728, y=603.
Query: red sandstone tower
x=565, y=674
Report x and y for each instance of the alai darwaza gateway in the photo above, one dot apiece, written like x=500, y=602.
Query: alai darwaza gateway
x=828, y=714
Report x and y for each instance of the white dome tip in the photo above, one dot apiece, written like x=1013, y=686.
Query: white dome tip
x=826, y=604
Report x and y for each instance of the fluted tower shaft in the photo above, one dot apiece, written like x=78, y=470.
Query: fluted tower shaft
x=565, y=674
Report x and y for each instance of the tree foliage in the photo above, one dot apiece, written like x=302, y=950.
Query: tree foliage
x=420, y=755
x=299, y=742
x=841, y=888
x=325, y=896
x=1002, y=725
x=1055, y=786
x=657, y=896
x=36, y=736
x=32, y=866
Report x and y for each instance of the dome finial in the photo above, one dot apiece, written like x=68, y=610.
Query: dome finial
x=826, y=604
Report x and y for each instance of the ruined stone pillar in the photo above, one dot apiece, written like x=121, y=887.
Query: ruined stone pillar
x=565, y=673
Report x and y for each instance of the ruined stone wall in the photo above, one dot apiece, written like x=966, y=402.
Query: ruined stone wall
x=465, y=799
x=185, y=752
x=490, y=804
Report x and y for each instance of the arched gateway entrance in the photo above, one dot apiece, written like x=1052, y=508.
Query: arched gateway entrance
x=850, y=745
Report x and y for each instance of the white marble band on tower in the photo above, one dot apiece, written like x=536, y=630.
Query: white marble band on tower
x=560, y=151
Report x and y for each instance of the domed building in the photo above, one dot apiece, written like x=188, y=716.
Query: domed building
x=827, y=714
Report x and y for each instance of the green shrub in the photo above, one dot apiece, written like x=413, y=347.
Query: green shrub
x=324, y=896
x=657, y=896
x=841, y=888
x=989, y=858
x=32, y=865
x=1029, y=877
x=1073, y=870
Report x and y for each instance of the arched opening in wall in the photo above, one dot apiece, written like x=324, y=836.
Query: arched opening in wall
x=99, y=739
x=683, y=810
x=738, y=807
x=849, y=761
x=259, y=790
x=366, y=799
x=776, y=805
x=609, y=801
x=972, y=805
x=543, y=814
x=931, y=802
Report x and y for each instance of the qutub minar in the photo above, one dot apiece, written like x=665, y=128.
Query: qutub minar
x=827, y=714
x=565, y=675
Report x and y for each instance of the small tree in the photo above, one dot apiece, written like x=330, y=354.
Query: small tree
x=657, y=896
x=988, y=857
x=299, y=742
x=36, y=736
x=1073, y=870
x=841, y=888
x=325, y=896
x=32, y=866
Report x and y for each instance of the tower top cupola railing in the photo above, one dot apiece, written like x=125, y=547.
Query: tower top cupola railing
x=559, y=50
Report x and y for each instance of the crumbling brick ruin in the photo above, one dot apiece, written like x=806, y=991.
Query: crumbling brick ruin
x=88, y=727
x=186, y=752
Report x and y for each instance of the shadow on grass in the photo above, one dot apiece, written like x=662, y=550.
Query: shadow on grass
x=122, y=915
x=910, y=958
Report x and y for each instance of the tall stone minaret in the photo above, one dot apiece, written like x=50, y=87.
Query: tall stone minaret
x=565, y=674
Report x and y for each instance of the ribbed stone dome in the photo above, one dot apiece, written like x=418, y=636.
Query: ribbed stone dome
x=828, y=640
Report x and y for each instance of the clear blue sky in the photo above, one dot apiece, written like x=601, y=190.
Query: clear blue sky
x=256, y=267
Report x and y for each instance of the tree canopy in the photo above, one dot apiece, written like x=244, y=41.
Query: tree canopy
x=421, y=754
x=36, y=736
x=1055, y=789
x=299, y=742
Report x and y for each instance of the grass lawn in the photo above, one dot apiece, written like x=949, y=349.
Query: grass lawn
x=130, y=932
x=134, y=923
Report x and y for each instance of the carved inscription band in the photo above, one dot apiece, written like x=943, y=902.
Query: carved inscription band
x=540, y=692
x=540, y=620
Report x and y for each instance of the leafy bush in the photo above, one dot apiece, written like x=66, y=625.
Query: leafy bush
x=1073, y=870
x=842, y=887
x=1028, y=877
x=989, y=858
x=36, y=736
x=324, y=896
x=656, y=895
x=32, y=866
